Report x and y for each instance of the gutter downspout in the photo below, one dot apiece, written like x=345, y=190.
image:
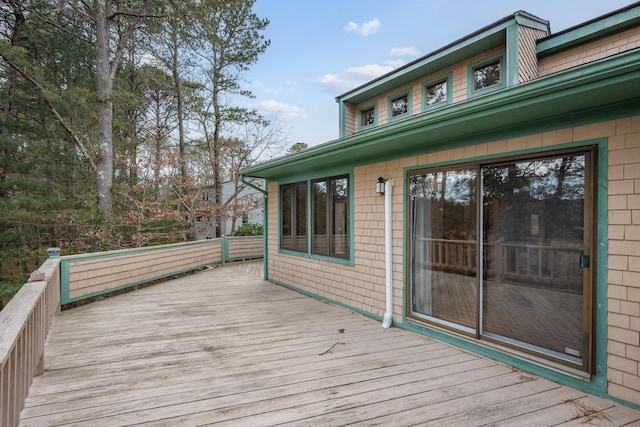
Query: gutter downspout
x=388, y=240
x=264, y=221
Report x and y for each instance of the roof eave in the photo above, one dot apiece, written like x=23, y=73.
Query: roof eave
x=534, y=101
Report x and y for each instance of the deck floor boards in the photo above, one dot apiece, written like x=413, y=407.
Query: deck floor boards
x=222, y=347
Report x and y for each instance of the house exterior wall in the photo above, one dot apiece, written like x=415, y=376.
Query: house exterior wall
x=361, y=286
x=459, y=83
x=527, y=57
x=602, y=48
x=534, y=110
x=624, y=260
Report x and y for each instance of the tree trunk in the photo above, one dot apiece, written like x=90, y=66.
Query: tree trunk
x=180, y=109
x=104, y=159
x=217, y=185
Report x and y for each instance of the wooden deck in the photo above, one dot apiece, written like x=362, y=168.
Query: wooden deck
x=223, y=347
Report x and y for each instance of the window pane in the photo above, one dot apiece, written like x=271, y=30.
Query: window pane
x=320, y=242
x=487, y=75
x=340, y=218
x=286, y=240
x=533, y=213
x=443, y=246
x=300, y=237
x=436, y=93
x=400, y=105
x=367, y=117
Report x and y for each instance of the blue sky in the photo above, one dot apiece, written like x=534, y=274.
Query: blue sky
x=322, y=49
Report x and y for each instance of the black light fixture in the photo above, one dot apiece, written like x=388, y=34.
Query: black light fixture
x=380, y=186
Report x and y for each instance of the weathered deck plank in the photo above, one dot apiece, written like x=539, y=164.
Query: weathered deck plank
x=223, y=347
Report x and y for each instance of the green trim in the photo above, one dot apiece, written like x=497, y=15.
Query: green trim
x=225, y=249
x=471, y=92
x=251, y=185
x=474, y=44
x=508, y=359
x=341, y=118
x=64, y=281
x=597, y=384
x=67, y=299
x=65, y=295
x=602, y=247
x=531, y=21
x=614, y=22
x=511, y=72
x=448, y=78
x=265, y=237
x=345, y=261
x=369, y=106
x=310, y=175
x=605, y=89
x=328, y=300
x=409, y=95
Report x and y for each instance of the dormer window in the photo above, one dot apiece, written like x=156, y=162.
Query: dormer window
x=487, y=74
x=399, y=105
x=436, y=92
x=367, y=117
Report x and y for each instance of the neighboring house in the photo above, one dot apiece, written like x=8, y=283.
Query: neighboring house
x=511, y=164
x=248, y=205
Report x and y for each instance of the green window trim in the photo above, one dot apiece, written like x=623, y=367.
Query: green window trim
x=293, y=227
x=498, y=59
x=407, y=109
x=310, y=230
x=447, y=78
x=361, y=112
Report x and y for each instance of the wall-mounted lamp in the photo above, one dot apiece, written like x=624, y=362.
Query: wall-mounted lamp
x=380, y=186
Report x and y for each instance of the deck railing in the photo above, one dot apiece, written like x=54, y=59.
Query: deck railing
x=24, y=325
x=90, y=275
x=27, y=318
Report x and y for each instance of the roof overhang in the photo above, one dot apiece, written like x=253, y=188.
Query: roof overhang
x=603, y=26
x=600, y=90
x=483, y=40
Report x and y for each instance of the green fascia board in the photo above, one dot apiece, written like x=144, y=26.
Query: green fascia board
x=526, y=19
x=432, y=64
x=579, y=95
x=597, y=28
x=482, y=40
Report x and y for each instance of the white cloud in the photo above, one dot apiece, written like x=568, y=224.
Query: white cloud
x=353, y=77
x=273, y=108
x=364, y=29
x=405, y=51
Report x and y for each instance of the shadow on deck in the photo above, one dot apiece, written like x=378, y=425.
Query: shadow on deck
x=223, y=347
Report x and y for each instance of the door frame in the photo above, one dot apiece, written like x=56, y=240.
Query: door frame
x=594, y=155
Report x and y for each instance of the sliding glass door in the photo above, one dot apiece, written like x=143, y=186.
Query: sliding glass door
x=444, y=246
x=514, y=268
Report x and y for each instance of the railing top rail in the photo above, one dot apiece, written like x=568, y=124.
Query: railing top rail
x=139, y=250
x=16, y=313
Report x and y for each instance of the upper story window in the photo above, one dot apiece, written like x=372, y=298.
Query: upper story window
x=367, y=116
x=400, y=105
x=436, y=93
x=487, y=74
